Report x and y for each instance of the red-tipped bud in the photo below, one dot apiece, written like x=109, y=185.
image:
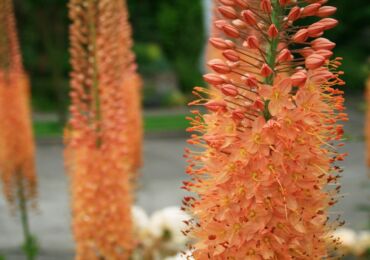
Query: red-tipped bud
x=294, y=13
x=249, y=17
x=315, y=28
x=229, y=90
x=310, y=10
x=300, y=36
x=299, y=78
x=266, y=6
x=307, y=51
x=219, y=43
x=252, y=42
x=322, y=44
x=215, y=105
x=266, y=70
x=329, y=23
x=213, y=79
x=326, y=11
x=259, y=104
x=238, y=114
x=228, y=12
x=326, y=53
x=250, y=80
x=219, y=66
x=273, y=31
x=231, y=31
x=219, y=24
x=242, y=3
x=284, y=2
x=284, y=55
x=314, y=61
x=231, y=55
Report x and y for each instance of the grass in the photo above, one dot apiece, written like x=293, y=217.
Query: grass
x=152, y=123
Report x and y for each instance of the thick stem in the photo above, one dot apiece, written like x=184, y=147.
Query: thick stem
x=29, y=244
x=272, y=51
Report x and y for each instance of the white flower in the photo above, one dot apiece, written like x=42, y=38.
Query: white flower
x=140, y=218
x=167, y=225
x=141, y=224
x=362, y=243
x=181, y=256
x=346, y=236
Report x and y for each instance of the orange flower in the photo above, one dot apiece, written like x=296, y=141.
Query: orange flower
x=103, y=137
x=267, y=153
x=17, y=169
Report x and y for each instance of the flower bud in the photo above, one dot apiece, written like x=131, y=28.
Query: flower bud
x=252, y=42
x=228, y=12
x=322, y=43
x=266, y=6
x=249, y=17
x=311, y=9
x=326, y=11
x=314, y=61
x=219, y=66
x=231, y=31
x=272, y=31
x=294, y=13
x=299, y=78
x=329, y=23
x=300, y=36
x=231, y=55
x=266, y=70
x=229, y=90
x=213, y=79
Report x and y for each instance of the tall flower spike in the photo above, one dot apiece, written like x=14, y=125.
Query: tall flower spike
x=17, y=148
x=17, y=169
x=104, y=133
x=266, y=150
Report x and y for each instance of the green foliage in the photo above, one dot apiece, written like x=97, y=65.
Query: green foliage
x=2, y=257
x=181, y=33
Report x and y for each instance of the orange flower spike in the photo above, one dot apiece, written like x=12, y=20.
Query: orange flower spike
x=268, y=135
x=17, y=148
x=103, y=137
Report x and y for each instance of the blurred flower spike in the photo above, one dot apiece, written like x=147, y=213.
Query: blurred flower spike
x=17, y=151
x=103, y=136
x=264, y=165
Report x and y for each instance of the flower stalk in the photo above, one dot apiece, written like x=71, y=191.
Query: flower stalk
x=17, y=169
x=103, y=136
x=266, y=151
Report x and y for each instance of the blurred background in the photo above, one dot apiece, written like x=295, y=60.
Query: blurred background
x=169, y=37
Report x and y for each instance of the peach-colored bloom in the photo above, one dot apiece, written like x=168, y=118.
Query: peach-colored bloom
x=264, y=150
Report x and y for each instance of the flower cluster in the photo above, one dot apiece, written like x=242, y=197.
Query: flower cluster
x=263, y=170
x=161, y=235
x=17, y=169
x=104, y=132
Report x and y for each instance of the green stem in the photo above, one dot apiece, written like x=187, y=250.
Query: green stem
x=95, y=94
x=29, y=243
x=272, y=51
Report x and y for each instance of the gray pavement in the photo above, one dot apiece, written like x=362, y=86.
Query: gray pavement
x=160, y=181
